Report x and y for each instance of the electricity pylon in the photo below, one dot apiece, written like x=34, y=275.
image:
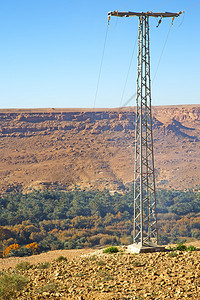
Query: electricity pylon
x=145, y=230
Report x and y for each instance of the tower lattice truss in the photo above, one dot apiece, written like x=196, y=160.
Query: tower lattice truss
x=145, y=231
x=145, y=217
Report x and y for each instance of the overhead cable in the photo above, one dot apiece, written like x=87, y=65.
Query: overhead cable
x=192, y=6
x=101, y=64
x=126, y=4
x=134, y=47
x=162, y=53
x=161, y=5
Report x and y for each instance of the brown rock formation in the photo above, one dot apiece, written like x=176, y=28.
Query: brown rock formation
x=95, y=148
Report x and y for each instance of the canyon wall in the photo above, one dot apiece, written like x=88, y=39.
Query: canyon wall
x=95, y=148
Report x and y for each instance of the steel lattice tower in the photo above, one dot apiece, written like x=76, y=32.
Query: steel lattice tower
x=145, y=218
x=145, y=230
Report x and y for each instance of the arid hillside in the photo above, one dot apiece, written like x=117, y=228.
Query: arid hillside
x=95, y=148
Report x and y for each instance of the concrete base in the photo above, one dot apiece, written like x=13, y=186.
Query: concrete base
x=138, y=248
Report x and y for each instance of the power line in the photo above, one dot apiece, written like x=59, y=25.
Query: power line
x=183, y=18
x=192, y=6
x=101, y=64
x=161, y=4
x=128, y=101
x=162, y=54
x=126, y=4
x=169, y=34
x=128, y=71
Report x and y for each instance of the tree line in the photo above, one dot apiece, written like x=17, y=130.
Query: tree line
x=76, y=219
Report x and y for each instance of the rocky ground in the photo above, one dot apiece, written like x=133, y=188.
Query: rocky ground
x=161, y=275
x=12, y=262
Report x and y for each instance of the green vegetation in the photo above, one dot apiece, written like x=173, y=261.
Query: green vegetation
x=23, y=266
x=51, y=220
x=111, y=249
x=173, y=254
x=101, y=263
x=10, y=285
x=61, y=258
x=44, y=265
x=50, y=288
x=137, y=264
x=191, y=248
x=181, y=247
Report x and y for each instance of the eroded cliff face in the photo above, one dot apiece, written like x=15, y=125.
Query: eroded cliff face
x=95, y=148
x=29, y=124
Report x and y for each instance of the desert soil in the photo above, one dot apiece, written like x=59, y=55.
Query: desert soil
x=96, y=275
x=11, y=262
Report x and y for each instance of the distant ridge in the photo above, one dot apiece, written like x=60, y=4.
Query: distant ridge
x=94, y=148
x=75, y=109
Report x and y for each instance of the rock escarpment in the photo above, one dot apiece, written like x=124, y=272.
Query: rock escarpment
x=95, y=148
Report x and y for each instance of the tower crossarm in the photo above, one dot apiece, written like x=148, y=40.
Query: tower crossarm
x=117, y=13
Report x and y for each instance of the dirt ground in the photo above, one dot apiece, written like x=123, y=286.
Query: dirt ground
x=11, y=262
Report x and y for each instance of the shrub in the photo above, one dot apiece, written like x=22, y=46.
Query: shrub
x=44, y=265
x=23, y=251
x=33, y=247
x=111, y=249
x=79, y=274
x=9, y=248
x=50, y=243
x=172, y=254
x=137, y=264
x=61, y=258
x=191, y=248
x=171, y=248
x=49, y=287
x=25, y=265
x=101, y=263
x=92, y=258
x=180, y=247
x=71, y=244
x=10, y=285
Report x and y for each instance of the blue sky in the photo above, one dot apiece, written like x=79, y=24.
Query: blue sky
x=51, y=51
